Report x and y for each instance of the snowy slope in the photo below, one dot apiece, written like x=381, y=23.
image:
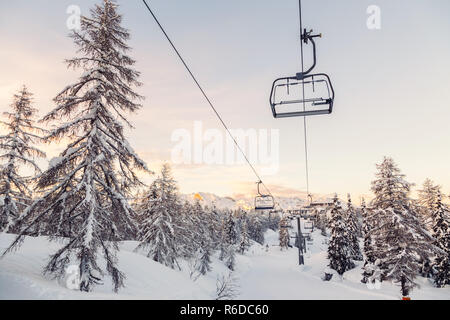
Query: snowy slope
x=261, y=274
x=21, y=278
x=276, y=275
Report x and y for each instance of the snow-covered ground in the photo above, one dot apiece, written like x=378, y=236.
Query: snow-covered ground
x=261, y=274
x=277, y=275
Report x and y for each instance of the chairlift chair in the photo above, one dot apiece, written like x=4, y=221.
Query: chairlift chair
x=304, y=94
x=263, y=201
x=309, y=225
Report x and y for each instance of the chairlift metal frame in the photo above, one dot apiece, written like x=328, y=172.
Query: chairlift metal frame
x=263, y=198
x=302, y=79
x=309, y=225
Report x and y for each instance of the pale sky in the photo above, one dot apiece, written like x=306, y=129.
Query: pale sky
x=392, y=85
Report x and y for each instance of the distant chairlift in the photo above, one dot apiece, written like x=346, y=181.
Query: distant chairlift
x=309, y=226
x=304, y=94
x=263, y=201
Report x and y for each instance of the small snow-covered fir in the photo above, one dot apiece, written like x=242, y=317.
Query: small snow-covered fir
x=17, y=151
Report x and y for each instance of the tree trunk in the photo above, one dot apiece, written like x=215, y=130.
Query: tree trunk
x=405, y=290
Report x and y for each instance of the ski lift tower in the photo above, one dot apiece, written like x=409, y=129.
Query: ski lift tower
x=300, y=243
x=301, y=248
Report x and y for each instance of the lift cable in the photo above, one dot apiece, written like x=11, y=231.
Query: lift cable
x=206, y=97
x=304, y=106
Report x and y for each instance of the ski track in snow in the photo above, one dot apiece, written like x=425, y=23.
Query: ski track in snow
x=260, y=274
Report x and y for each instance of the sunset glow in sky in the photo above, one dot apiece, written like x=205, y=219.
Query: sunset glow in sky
x=392, y=85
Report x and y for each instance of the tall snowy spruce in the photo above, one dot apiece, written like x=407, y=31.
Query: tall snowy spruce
x=17, y=151
x=426, y=204
x=199, y=229
x=428, y=197
x=371, y=270
x=188, y=239
x=401, y=241
x=229, y=239
x=351, y=222
x=160, y=224
x=339, y=250
x=320, y=221
x=213, y=220
x=87, y=186
x=244, y=243
x=441, y=233
x=198, y=233
x=205, y=260
x=255, y=228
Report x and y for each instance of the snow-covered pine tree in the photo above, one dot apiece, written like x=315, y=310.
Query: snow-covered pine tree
x=441, y=234
x=255, y=229
x=213, y=218
x=284, y=233
x=230, y=257
x=339, y=253
x=401, y=241
x=192, y=229
x=320, y=220
x=88, y=185
x=161, y=228
x=205, y=260
x=17, y=151
x=245, y=239
x=200, y=237
x=428, y=197
x=205, y=225
x=222, y=244
x=239, y=216
x=230, y=238
x=369, y=249
x=272, y=221
x=188, y=240
x=230, y=230
x=351, y=221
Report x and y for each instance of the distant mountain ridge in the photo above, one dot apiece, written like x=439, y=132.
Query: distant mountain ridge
x=247, y=203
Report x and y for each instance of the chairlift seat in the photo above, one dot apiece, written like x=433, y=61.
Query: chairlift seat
x=309, y=225
x=287, y=100
x=264, y=202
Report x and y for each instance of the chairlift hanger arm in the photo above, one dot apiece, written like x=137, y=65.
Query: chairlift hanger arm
x=257, y=185
x=307, y=36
